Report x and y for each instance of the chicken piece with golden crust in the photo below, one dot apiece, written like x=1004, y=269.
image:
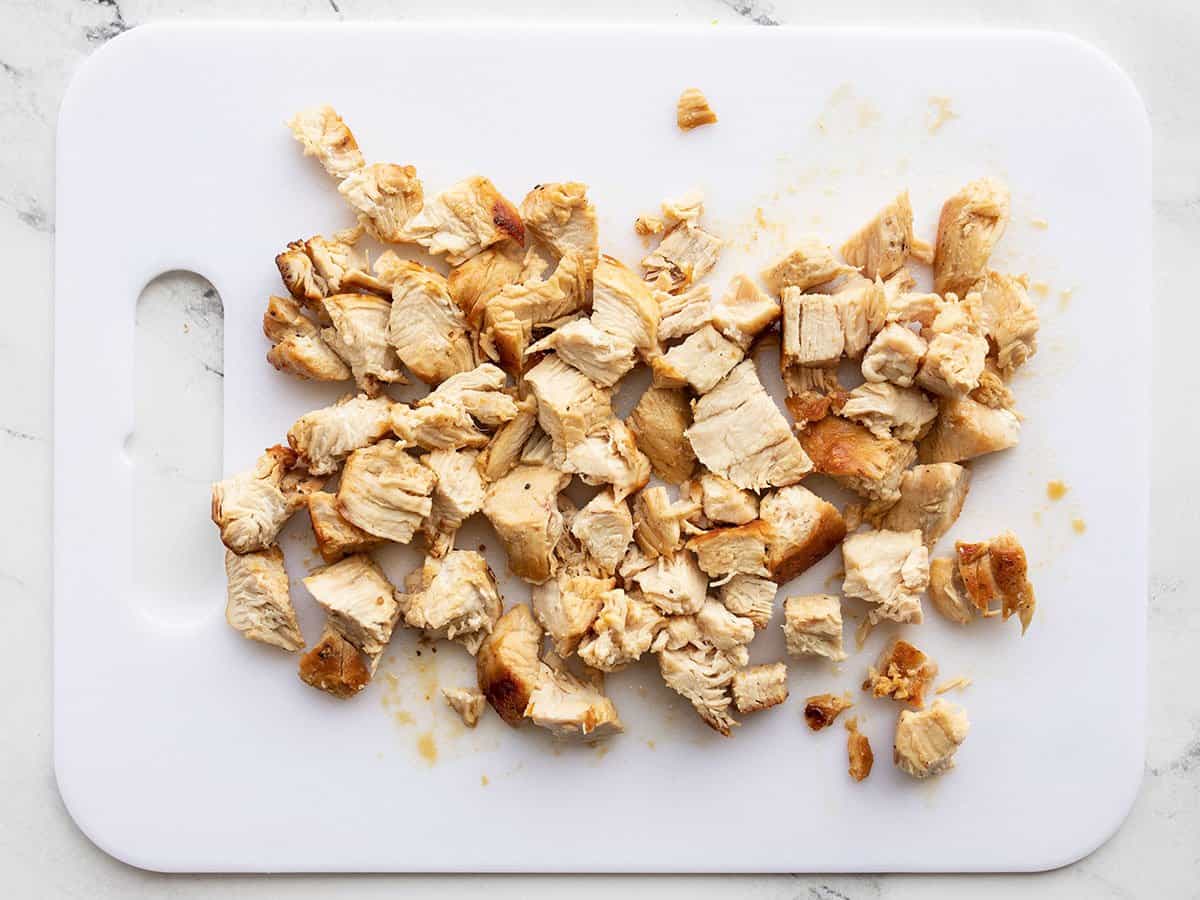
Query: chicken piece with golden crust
x=464, y=219
x=822, y=710
x=997, y=570
x=813, y=392
x=297, y=345
x=467, y=702
x=624, y=307
x=812, y=263
x=927, y=739
x=888, y=411
x=659, y=422
x=737, y=550
x=323, y=134
x=881, y=246
x=429, y=332
x=456, y=497
x=335, y=666
x=684, y=256
x=567, y=605
x=965, y=429
x=971, y=223
x=1008, y=319
x=894, y=356
x=570, y=706
x=751, y=597
x=359, y=335
x=702, y=676
x=902, y=673
x=251, y=507
x=458, y=600
x=803, y=529
x=744, y=312
x=812, y=624
x=759, y=687
x=623, y=630
x=513, y=313
x=522, y=506
x=386, y=492
x=385, y=196
x=507, y=664
x=359, y=601
x=473, y=284
x=693, y=110
x=324, y=437
x=336, y=537
x=604, y=527
x=947, y=593
x=702, y=360
x=889, y=570
x=257, y=602
x=856, y=459
x=858, y=747
x=931, y=498
x=560, y=216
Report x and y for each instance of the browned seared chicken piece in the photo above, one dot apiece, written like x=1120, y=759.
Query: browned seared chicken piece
x=658, y=423
x=504, y=450
x=812, y=624
x=322, y=267
x=703, y=676
x=739, y=433
x=684, y=312
x=1009, y=320
x=947, y=593
x=751, y=597
x=623, y=630
x=298, y=347
x=738, y=550
x=323, y=134
x=360, y=337
x=859, y=749
x=902, y=673
x=881, y=246
x=812, y=329
x=567, y=605
x=428, y=331
x=385, y=491
x=810, y=264
x=457, y=496
x=658, y=521
x=702, y=360
x=335, y=536
x=458, y=599
x=257, y=601
x=560, y=216
x=804, y=528
x=926, y=740
x=724, y=501
x=512, y=314
x=507, y=663
x=821, y=710
x=464, y=219
x=965, y=429
x=684, y=256
x=325, y=437
x=523, y=509
x=385, y=196
x=813, y=392
x=759, y=687
x=474, y=283
x=889, y=411
x=335, y=666
x=992, y=391
x=931, y=498
x=972, y=221
x=623, y=306
x=856, y=459
x=744, y=312
x=249, y=508
x=602, y=357
x=888, y=569
x=997, y=570
x=862, y=311
x=570, y=706
x=676, y=585
x=895, y=355
x=467, y=702
x=604, y=527
x=693, y=110
x=359, y=601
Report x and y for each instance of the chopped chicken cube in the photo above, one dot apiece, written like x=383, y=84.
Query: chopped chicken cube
x=623, y=306
x=712, y=626
x=683, y=313
x=803, y=529
x=915, y=311
x=862, y=311
x=385, y=196
x=1008, y=319
x=724, y=501
x=693, y=110
x=812, y=329
x=474, y=283
x=856, y=459
x=467, y=702
x=760, y=687
x=258, y=604
x=881, y=246
x=703, y=676
x=318, y=268
x=953, y=364
x=538, y=450
x=744, y=312
x=997, y=570
x=602, y=357
x=457, y=496
x=902, y=673
x=571, y=707
x=512, y=315
x=812, y=625
x=459, y=600
x=298, y=347
x=567, y=606
x=335, y=665
x=507, y=663
x=325, y=437
x=605, y=528
x=429, y=332
x=659, y=422
x=570, y=406
x=249, y=508
x=685, y=255
x=440, y=426
x=822, y=710
x=610, y=455
x=888, y=569
x=360, y=602
x=658, y=522
x=360, y=337
x=931, y=498
x=738, y=550
x=622, y=631
x=561, y=217
x=675, y=585
x=858, y=746
x=701, y=361
x=740, y=434
x=947, y=593
x=926, y=740
x=813, y=392
x=971, y=223
x=965, y=429
x=480, y=392
x=894, y=355
x=810, y=264
x=323, y=134
x=504, y=450
x=751, y=597
x=464, y=219
x=336, y=537
x=890, y=411
x=385, y=491
x=523, y=508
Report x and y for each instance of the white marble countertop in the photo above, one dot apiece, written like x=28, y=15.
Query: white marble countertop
x=41, y=851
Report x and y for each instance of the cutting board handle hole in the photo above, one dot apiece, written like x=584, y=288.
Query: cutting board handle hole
x=175, y=449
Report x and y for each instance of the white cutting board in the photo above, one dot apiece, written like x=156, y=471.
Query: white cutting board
x=181, y=746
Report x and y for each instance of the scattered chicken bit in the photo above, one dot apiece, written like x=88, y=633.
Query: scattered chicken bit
x=385, y=491
x=659, y=422
x=560, y=216
x=685, y=255
x=724, y=501
x=902, y=673
x=888, y=569
x=881, y=246
x=258, y=604
x=572, y=707
x=609, y=455
x=522, y=506
x=997, y=570
x=684, y=312
x=249, y=508
x=693, y=110
x=744, y=312
x=759, y=687
x=813, y=625
x=703, y=677
x=323, y=438
x=954, y=684
x=323, y=134
x=467, y=702
x=385, y=196
x=676, y=585
x=859, y=749
x=954, y=360
x=622, y=631
x=926, y=740
x=458, y=599
x=702, y=360
x=858, y=460
x=507, y=663
x=359, y=601
x=335, y=665
x=475, y=282
x=803, y=529
x=751, y=597
x=570, y=406
x=890, y=411
x=1009, y=320
x=567, y=606
x=427, y=329
x=972, y=221
x=812, y=263
x=646, y=226
x=895, y=355
x=360, y=337
x=605, y=528
x=336, y=537
x=320, y=267
x=602, y=357
x=992, y=391
x=931, y=498
x=297, y=345
x=464, y=219
x=965, y=429
x=821, y=710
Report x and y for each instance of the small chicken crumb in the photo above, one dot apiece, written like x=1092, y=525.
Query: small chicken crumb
x=954, y=684
x=760, y=687
x=1039, y=223
x=902, y=673
x=940, y=113
x=926, y=740
x=859, y=750
x=467, y=702
x=693, y=110
x=821, y=710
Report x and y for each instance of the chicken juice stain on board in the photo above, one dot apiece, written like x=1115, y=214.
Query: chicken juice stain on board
x=427, y=747
x=1078, y=525
x=1056, y=490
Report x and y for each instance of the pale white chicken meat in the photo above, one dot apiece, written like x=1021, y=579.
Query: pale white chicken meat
x=480, y=392
x=572, y=707
x=359, y=601
x=567, y=605
x=890, y=411
x=724, y=501
x=812, y=329
x=659, y=521
x=703, y=677
x=429, y=332
x=927, y=739
x=386, y=492
x=469, y=703
x=464, y=219
x=862, y=312
x=702, y=360
x=321, y=267
x=336, y=537
x=931, y=498
x=685, y=255
x=623, y=630
x=1009, y=320
x=324, y=437
x=623, y=306
x=609, y=455
x=517, y=309
x=684, y=312
x=249, y=508
x=297, y=345
x=457, y=495
x=759, y=687
x=965, y=429
x=971, y=223
x=257, y=600
x=739, y=549
x=889, y=570
x=560, y=216
x=659, y=423
x=602, y=357
x=522, y=506
x=570, y=406
x=895, y=355
x=458, y=600
x=881, y=246
x=812, y=263
x=438, y=426
x=385, y=196
x=812, y=625
x=953, y=363
x=947, y=592
x=675, y=585
x=751, y=597
x=360, y=337
x=813, y=392
x=323, y=134
x=604, y=527
x=504, y=450
x=744, y=312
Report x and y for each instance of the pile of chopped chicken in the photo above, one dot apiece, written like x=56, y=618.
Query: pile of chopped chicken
x=523, y=329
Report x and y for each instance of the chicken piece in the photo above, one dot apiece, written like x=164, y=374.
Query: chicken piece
x=459, y=600
x=715, y=626
x=902, y=673
x=567, y=606
x=953, y=364
x=456, y=497
x=724, y=501
x=740, y=434
x=360, y=337
x=759, y=687
x=915, y=311
x=507, y=663
x=971, y=223
x=881, y=246
x=658, y=522
x=965, y=429
x=474, y=283
x=812, y=329
x=258, y=604
x=467, y=702
x=687, y=208
x=701, y=361
x=560, y=216
x=386, y=492
x=750, y=597
x=359, y=601
x=693, y=110
x=645, y=226
x=812, y=625
x=899, y=283
x=429, y=332
x=853, y=457
x=803, y=529
x=813, y=392
x=659, y=422
x=324, y=437
x=464, y=219
x=522, y=506
x=683, y=313
x=1008, y=319
x=439, y=426
x=538, y=450
x=251, y=507
x=298, y=347
x=703, y=676
x=894, y=355
x=504, y=449
x=741, y=549
x=888, y=569
x=889, y=411
x=821, y=710
x=336, y=537
x=570, y=406
x=927, y=740
x=385, y=196
x=858, y=747
x=862, y=312
x=931, y=498
x=335, y=665
x=323, y=134
x=604, y=527
x=810, y=264
x=685, y=255
x=992, y=391
x=512, y=314
x=623, y=630
x=480, y=392
x=947, y=593
x=744, y=312
x=997, y=570
x=320, y=267
x=675, y=585
x=624, y=307
x=602, y=357
x=609, y=455
x=571, y=707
